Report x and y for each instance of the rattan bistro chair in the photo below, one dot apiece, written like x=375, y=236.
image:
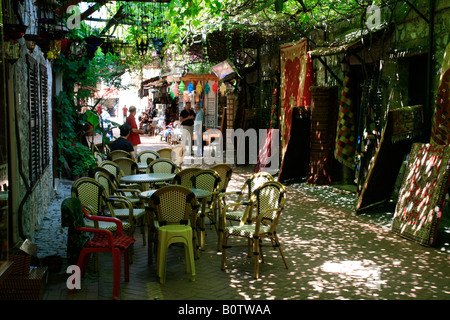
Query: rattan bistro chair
x=184, y=177
x=207, y=180
x=127, y=165
x=147, y=156
x=175, y=209
x=113, y=155
x=237, y=209
x=165, y=153
x=122, y=211
x=267, y=202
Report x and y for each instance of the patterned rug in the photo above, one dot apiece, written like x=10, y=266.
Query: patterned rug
x=403, y=127
x=345, y=146
x=440, y=131
x=422, y=194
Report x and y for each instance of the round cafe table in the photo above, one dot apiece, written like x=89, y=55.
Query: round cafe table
x=147, y=178
x=201, y=195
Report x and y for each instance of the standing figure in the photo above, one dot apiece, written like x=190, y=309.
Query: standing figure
x=198, y=128
x=187, y=116
x=134, y=136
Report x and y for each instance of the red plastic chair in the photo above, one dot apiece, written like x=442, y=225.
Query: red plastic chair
x=103, y=240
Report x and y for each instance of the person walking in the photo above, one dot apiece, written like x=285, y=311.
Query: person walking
x=134, y=136
x=198, y=128
x=187, y=116
x=122, y=143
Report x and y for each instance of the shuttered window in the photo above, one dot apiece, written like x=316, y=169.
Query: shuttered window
x=45, y=151
x=39, y=119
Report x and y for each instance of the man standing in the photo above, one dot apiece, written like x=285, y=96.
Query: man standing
x=198, y=128
x=187, y=116
x=134, y=137
x=122, y=142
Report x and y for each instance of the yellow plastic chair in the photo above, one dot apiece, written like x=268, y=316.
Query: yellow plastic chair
x=175, y=209
x=268, y=202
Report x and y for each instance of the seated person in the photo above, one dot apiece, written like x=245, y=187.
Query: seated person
x=122, y=143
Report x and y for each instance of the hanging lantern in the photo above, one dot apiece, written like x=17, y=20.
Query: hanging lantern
x=190, y=87
x=174, y=89
x=207, y=88
x=181, y=87
x=142, y=46
x=55, y=49
x=171, y=93
x=12, y=50
x=215, y=87
x=199, y=88
x=77, y=49
x=158, y=44
x=223, y=88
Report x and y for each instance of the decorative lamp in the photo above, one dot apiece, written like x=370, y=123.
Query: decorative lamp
x=175, y=89
x=77, y=49
x=223, y=88
x=215, y=87
x=207, y=88
x=190, y=87
x=158, y=44
x=199, y=88
x=181, y=87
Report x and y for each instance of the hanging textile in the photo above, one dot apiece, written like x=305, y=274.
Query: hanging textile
x=265, y=152
x=345, y=146
x=403, y=128
x=296, y=78
x=422, y=195
x=440, y=131
x=370, y=132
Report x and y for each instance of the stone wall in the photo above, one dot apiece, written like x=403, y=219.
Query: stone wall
x=31, y=202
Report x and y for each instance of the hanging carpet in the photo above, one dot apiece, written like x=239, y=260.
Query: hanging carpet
x=440, y=131
x=323, y=134
x=370, y=132
x=422, y=194
x=296, y=78
x=345, y=146
x=403, y=128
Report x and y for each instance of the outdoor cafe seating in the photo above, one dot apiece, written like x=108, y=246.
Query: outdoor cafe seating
x=233, y=210
x=81, y=245
x=266, y=204
x=175, y=209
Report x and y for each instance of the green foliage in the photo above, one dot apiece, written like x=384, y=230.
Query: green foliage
x=80, y=77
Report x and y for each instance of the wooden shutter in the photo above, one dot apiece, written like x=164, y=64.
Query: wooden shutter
x=45, y=149
x=33, y=104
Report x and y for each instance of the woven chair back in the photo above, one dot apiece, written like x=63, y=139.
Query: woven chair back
x=207, y=180
x=225, y=171
x=184, y=177
x=165, y=153
x=162, y=165
x=113, y=155
x=127, y=165
x=91, y=194
x=147, y=156
x=173, y=205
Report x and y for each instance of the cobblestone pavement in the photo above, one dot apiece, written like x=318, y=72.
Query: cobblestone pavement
x=332, y=255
